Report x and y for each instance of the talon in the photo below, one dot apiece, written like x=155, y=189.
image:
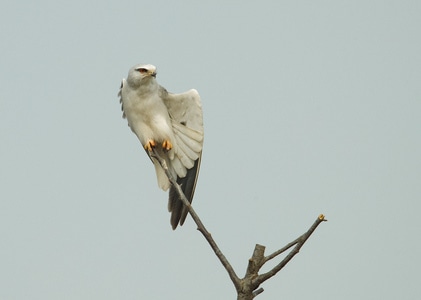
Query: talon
x=149, y=145
x=167, y=145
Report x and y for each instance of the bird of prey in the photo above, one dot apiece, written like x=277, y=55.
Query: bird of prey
x=172, y=124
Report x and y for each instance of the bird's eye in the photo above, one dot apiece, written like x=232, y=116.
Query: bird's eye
x=142, y=70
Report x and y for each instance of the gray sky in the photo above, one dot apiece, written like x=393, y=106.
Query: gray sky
x=310, y=107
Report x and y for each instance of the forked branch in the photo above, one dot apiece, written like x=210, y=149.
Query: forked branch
x=247, y=287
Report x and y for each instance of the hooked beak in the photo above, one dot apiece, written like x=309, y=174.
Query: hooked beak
x=153, y=74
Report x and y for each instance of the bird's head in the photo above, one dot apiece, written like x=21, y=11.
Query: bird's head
x=141, y=73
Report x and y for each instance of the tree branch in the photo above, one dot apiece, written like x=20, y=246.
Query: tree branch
x=299, y=242
x=247, y=287
x=200, y=226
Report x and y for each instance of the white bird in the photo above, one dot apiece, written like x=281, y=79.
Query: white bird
x=172, y=124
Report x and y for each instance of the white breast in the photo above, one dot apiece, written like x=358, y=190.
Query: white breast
x=147, y=116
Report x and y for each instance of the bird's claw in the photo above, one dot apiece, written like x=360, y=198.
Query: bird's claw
x=166, y=145
x=149, y=145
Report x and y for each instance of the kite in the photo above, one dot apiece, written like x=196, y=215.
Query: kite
x=172, y=125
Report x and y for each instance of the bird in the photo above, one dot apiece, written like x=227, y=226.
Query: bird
x=172, y=125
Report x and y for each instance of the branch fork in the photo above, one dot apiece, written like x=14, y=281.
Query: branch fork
x=247, y=287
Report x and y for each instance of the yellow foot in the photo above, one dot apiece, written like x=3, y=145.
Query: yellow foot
x=149, y=145
x=166, y=145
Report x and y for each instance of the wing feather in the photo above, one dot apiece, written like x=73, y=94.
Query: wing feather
x=188, y=185
x=185, y=111
x=123, y=82
x=179, y=168
x=188, y=132
x=187, y=151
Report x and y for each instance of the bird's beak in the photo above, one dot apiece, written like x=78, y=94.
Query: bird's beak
x=153, y=74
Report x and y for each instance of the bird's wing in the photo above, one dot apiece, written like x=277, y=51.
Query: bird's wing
x=186, y=115
x=120, y=96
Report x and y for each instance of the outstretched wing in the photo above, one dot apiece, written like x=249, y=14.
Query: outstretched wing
x=186, y=115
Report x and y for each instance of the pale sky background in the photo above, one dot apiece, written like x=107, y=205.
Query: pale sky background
x=309, y=106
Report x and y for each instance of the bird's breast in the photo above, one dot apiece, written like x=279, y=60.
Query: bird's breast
x=148, y=117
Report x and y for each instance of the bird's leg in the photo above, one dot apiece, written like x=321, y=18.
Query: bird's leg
x=149, y=145
x=166, y=145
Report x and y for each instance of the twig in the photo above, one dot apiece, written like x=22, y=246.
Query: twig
x=258, y=291
x=299, y=243
x=283, y=249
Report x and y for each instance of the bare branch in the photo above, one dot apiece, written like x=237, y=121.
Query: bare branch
x=247, y=287
x=257, y=292
x=200, y=226
x=256, y=261
x=282, y=250
x=301, y=240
